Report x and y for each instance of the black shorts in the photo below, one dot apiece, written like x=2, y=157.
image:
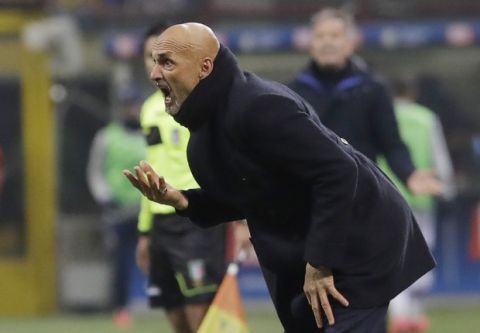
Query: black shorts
x=187, y=263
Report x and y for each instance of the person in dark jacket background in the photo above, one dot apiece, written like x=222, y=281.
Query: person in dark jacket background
x=334, y=238
x=352, y=102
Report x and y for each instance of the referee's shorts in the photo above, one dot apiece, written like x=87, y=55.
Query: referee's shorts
x=187, y=263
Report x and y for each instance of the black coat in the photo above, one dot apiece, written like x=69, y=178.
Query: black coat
x=259, y=152
x=356, y=106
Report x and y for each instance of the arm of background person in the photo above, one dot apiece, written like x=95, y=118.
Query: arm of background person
x=387, y=136
x=95, y=170
x=3, y=172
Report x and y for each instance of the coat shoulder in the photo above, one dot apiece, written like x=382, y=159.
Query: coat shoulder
x=254, y=98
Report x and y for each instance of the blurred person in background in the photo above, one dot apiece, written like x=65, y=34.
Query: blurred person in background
x=2, y=172
x=3, y=176
x=119, y=144
x=351, y=101
x=422, y=132
x=184, y=263
x=322, y=215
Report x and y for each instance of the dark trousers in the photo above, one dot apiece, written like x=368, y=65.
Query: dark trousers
x=347, y=320
x=121, y=243
x=296, y=316
x=371, y=320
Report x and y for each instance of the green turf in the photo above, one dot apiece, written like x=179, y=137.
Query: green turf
x=151, y=322
x=457, y=320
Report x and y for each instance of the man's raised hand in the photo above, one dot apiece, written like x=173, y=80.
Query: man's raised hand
x=154, y=187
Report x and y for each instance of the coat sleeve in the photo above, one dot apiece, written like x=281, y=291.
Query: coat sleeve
x=284, y=133
x=206, y=211
x=387, y=136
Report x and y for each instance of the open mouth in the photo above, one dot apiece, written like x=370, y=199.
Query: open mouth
x=166, y=91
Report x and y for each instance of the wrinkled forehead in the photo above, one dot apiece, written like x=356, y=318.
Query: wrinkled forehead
x=172, y=46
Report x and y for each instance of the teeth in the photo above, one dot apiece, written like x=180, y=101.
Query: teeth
x=168, y=100
x=160, y=86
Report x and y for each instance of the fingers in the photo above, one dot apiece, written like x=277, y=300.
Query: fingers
x=158, y=187
x=130, y=177
x=162, y=184
x=424, y=182
x=308, y=298
x=318, y=286
x=133, y=180
x=147, y=181
x=327, y=308
x=142, y=183
x=436, y=186
x=152, y=181
x=146, y=167
x=156, y=183
x=339, y=297
x=317, y=309
x=140, y=176
x=319, y=302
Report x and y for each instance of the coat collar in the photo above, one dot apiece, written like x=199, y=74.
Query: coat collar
x=211, y=93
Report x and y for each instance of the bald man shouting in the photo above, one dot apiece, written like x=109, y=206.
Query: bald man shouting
x=334, y=238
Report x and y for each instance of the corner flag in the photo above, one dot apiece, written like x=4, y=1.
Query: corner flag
x=226, y=313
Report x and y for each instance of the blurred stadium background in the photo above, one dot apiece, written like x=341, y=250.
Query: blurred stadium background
x=62, y=63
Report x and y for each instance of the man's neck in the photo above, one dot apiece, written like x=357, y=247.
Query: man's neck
x=331, y=73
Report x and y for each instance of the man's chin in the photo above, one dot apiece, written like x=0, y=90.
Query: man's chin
x=172, y=111
x=331, y=63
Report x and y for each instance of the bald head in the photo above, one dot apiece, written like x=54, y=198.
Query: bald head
x=191, y=37
x=184, y=55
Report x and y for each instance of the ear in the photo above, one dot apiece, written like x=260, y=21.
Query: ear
x=206, y=68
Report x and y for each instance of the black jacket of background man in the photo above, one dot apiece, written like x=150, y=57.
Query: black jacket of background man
x=357, y=107
x=259, y=152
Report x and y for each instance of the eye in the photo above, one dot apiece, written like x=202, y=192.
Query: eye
x=168, y=63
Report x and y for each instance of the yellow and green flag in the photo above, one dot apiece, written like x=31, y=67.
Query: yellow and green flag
x=226, y=313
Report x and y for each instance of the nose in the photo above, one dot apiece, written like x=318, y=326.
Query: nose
x=156, y=73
